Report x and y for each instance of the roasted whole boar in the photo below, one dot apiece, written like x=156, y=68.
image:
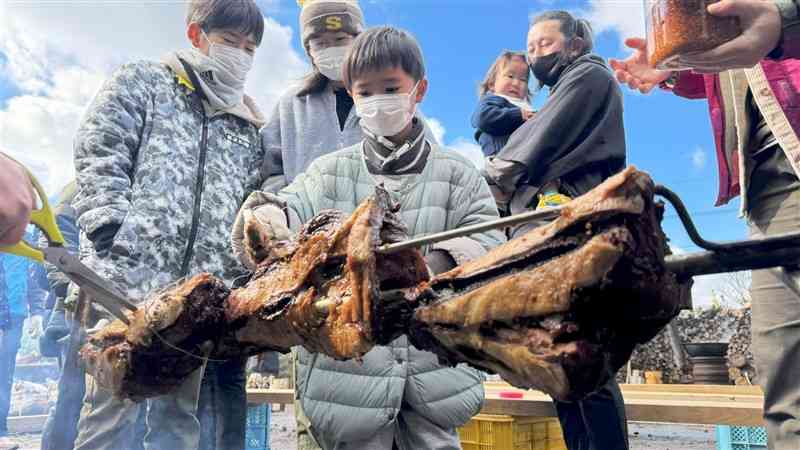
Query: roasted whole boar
x=561, y=308
x=320, y=291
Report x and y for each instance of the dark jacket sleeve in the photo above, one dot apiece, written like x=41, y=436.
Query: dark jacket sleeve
x=580, y=125
x=496, y=116
x=69, y=229
x=790, y=45
x=38, y=289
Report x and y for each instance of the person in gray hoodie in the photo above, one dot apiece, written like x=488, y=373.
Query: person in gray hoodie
x=397, y=395
x=164, y=156
x=317, y=117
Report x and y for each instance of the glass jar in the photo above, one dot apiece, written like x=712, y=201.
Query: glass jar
x=678, y=27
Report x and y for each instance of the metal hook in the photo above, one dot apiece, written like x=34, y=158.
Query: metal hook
x=688, y=224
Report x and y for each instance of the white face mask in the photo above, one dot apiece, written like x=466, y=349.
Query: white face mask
x=387, y=114
x=229, y=67
x=330, y=60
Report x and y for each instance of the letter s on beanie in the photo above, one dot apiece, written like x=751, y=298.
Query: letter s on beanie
x=319, y=16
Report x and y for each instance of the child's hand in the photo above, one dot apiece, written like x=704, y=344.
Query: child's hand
x=527, y=114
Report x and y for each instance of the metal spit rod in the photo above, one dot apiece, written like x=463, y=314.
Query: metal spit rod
x=544, y=214
x=750, y=254
x=781, y=251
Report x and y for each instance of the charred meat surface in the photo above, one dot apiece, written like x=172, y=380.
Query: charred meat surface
x=322, y=293
x=166, y=341
x=561, y=308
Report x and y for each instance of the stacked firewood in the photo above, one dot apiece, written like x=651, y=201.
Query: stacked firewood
x=702, y=325
x=658, y=355
x=741, y=367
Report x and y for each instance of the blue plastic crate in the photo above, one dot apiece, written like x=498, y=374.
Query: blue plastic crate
x=258, y=415
x=741, y=438
x=257, y=431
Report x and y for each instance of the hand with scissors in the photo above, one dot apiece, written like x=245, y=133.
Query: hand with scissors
x=96, y=287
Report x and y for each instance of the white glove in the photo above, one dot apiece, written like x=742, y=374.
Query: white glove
x=98, y=326
x=258, y=226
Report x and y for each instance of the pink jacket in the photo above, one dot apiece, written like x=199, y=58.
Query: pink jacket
x=784, y=79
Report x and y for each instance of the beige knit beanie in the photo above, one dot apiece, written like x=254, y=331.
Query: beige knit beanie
x=319, y=16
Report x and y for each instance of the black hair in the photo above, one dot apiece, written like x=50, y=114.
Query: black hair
x=499, y=64
x=577, y=32
x=382, y=48
x=243, y=16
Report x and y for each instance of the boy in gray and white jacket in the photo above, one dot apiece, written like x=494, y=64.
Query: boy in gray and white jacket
x=398, y=395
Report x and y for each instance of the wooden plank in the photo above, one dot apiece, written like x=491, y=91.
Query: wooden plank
x=731, y=405
x=274, y=396
x=710, y=413
x=690, y=395
x=525, y=407
x=642, y=409
x=652, y=388
x=694, y=389
x=26, y=424
x=693, y=394
x=657, y=406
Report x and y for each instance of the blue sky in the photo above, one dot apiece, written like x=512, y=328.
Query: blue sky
x=53, y=57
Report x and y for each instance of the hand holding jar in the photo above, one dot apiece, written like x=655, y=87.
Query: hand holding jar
x=706, y=37
x=761, y=32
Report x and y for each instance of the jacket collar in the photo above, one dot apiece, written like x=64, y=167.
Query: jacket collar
x=247, y=110
x=387, y=157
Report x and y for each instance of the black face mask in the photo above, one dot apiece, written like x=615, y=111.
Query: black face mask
x=548, y=68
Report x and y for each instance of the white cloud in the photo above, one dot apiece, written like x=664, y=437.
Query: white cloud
x=38, y=130
x=57, y=54
x=625, y=18
x=469, y=149
x=466, y=147
x=699, y=158
x=436, y=128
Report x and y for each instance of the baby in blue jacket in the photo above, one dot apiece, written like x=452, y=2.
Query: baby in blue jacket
x=505, y=102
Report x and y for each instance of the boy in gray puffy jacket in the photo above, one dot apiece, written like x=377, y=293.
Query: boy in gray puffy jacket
x=164, y=156
x=398, y=396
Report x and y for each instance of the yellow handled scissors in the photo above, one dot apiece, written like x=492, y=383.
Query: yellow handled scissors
x=55, y=253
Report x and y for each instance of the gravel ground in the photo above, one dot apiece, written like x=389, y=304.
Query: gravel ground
x=21, y=442
x=281, y=430
x=651, y=436
x=643, y=436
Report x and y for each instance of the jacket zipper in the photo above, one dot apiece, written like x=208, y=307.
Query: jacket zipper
x=198, y=198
